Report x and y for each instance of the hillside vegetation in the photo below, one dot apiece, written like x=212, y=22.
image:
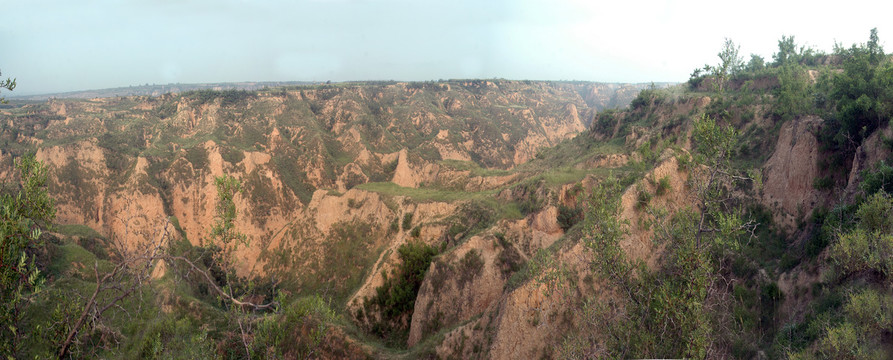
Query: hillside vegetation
x=743, y=214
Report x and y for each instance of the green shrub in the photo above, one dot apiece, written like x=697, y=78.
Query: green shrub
x=871, y=310
x=470, y=265
x=868, y=317
x=792, y=97
x=869, y=247
x=881, y=178
x=198, y=157
x=643, y=198
x=395, y=226
x=297, y=332
x=526, y=196
x=407, y=221
x=823, y=183
x=477, y=215
x=663, y=186
x=568, y=216
x=228, y=97
x=604, y=122
x=395, y=298
x=232, y=155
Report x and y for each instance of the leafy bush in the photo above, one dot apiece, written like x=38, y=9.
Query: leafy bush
x=297, y=332
x=663, y=186
x=881, y=179
x=26, y=209
x=232, y=155
x=604, y=122
x=470, y=265
x=395, y=298
x=407, y=221
x=823, y=183
x=792, y=97
x=868, y=316
x=528, y=201
x=568, y=216
x=858, y=97
x=198, y=157
x=869, y=247
x=643, y=198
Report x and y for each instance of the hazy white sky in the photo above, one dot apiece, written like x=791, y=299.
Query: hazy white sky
x=63, y=45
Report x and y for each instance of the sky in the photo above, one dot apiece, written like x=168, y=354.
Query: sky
x=63, y=45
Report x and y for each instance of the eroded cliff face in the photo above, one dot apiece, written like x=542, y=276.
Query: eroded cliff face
x=789, y=173
x=323, y=171
x=153, y=158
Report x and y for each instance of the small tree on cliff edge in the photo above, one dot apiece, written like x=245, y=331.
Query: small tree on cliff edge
x=8, y=84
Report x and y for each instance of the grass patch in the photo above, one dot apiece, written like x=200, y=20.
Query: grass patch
x=77, y=230
x=424, y=194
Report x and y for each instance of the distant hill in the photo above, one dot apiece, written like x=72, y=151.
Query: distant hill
x=155, y=90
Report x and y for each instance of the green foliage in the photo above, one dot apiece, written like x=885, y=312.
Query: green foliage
x=8, y=84
x=294, y=177
x=232, y=155
x=165, y=337
x=756, y=64
x=407, y=221
x=528, y=200
x=793, y=97
x=663, y=186
x=25, y=209
x=715, y=144
x=643, y=197
x=729, y=65
x=119, y=149
x=869, y=247
x=859, y=96
x=475, y=216
x=298, y=332
x=787, y=51
x=568, y=216
x=395, y=299
x=605, y=121
x=823, y=183
x=868, y=317
x=604, y=230
x=198, y=157
x=647, y=98
x=228, y=97
x=470, y=265
x=880, y=179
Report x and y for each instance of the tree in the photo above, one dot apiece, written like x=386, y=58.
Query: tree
x=730, y=63
x=8, y=84
x=861, y=96
x=25, y=210
x=755, y=64
x=787, y=51
x=792, y=96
